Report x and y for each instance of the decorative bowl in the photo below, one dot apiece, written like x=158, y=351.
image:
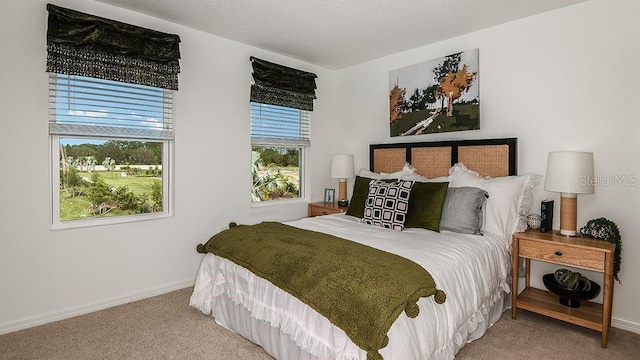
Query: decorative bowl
x=534, y=221
x=569, y=297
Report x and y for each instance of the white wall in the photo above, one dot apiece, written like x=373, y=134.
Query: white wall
x=47, y=275
x=563, y=80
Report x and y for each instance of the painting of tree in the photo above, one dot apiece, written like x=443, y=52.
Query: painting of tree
x=455, y=84
x=439, y=95
x=396, y=102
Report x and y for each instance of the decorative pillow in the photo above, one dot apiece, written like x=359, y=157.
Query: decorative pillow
x=462, y=210
x=425, y=205
x=359, y=195
x=387, y=204
x=509, y=199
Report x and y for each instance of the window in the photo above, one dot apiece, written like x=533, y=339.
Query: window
x=279, y=137
x=281, y=104
x=110, y=150
x=110, y=118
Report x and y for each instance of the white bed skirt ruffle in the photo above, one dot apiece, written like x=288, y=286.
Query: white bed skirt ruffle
x=222, y=290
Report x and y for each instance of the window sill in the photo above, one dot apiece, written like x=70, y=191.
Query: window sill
x=261, y=204
x=78, y=224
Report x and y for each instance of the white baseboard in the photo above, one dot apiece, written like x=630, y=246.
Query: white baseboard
x=99, y=305
x=625, y=324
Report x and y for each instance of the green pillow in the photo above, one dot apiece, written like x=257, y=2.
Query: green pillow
x=425, y=205
x=359, y=195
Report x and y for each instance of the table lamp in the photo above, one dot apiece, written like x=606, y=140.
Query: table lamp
x=342, y=169
x=569, y=173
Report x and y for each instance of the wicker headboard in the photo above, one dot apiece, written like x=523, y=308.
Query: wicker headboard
x=492, y=157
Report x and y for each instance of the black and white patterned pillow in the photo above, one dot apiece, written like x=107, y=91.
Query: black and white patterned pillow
x=387, y=204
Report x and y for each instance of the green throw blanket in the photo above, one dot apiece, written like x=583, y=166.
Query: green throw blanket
x=360, y=289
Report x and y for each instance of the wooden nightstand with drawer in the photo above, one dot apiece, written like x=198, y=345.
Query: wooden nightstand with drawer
x=320, y=208
x=579, y=252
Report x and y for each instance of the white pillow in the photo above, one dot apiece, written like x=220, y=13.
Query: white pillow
x=509, y=199
x=407, y=169
x=411, y=174
x=420, y=178
x=377, y=176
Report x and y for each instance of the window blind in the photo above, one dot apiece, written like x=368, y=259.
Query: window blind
x=280, y=85
x=273, y=125
x=93, y=46
x=84, y=106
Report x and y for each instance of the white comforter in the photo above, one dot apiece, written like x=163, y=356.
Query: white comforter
x=472, y=270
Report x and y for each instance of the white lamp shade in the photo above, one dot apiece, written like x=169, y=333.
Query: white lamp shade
x=569, y=172
x=342, y=166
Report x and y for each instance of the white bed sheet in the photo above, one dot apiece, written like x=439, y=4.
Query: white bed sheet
x=472, y=270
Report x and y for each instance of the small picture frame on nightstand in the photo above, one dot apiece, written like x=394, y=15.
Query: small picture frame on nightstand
x=329, y=196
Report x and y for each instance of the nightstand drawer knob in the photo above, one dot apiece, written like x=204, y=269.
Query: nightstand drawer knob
x=558, y=253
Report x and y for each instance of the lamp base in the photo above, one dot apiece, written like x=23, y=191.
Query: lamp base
x=342, y=193
x=568, y=215
x=559, y=232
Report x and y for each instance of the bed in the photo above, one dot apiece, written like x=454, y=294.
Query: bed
x=472, y=269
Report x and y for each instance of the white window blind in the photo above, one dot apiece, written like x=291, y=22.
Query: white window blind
x=83, y=106
x=273, y=125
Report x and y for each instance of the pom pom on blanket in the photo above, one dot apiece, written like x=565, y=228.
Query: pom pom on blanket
x=412, y=310
x=201, y=249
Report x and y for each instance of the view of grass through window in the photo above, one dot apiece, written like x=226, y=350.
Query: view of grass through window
x=275, y=173
x=100, y=178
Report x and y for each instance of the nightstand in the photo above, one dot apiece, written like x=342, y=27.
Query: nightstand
x=320, y=208
x=579, y=252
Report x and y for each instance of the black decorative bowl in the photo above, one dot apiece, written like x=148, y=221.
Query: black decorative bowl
x=568, y=297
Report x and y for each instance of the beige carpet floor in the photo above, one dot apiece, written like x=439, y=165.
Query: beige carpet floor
x=165, y=327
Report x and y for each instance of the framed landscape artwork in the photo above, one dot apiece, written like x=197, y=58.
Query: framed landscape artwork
x=435, y=96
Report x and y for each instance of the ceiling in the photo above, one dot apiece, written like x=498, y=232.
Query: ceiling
x=335, y=34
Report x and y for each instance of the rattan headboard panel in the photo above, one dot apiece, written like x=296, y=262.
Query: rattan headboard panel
x=431, y=161
x=389, y=160
x=492, y=160
x=492, y=157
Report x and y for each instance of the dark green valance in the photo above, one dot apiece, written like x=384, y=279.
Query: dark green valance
x=280, y=85
x=88, y=45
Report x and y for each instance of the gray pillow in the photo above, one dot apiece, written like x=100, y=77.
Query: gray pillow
x=462, y=210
